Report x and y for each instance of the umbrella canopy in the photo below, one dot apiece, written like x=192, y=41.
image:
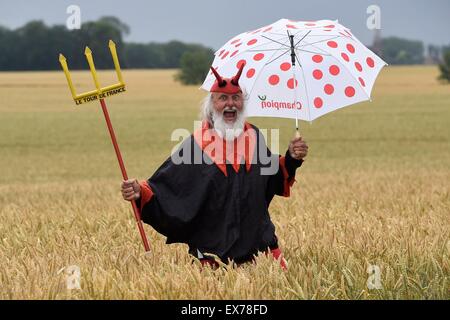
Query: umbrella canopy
x=298, y=69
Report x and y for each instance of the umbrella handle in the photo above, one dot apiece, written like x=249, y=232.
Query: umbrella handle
x=297, y=133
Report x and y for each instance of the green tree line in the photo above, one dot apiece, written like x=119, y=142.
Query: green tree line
x=36, y=46
x=402, y=51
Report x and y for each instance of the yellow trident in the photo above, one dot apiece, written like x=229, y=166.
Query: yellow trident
x=99, y=93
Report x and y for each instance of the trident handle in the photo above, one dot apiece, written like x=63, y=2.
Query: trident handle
x=137, y=214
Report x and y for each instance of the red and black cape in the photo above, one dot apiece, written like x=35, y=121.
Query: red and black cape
x=215, y=207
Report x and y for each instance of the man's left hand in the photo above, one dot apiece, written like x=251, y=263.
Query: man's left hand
x=298, y=149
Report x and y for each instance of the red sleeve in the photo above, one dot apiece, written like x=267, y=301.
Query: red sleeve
x=288, y=181
x=146, y=193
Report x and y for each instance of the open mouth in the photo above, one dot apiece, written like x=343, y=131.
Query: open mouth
x=229, y=115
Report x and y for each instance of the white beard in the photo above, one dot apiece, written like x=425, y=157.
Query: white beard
x=228, y=131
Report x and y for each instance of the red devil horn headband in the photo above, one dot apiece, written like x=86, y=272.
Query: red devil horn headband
x=235, y=79
x=226, y=85
x=220, y=80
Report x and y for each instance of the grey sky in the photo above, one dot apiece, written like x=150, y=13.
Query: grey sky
x=213, y=22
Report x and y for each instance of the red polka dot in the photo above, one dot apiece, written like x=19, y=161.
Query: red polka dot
x=328, y=88
x=274, y=79
x=370, y=62
x=234, y=53
x=318, y=102
x=291, y=26
x=326, y=29
x=238, y=65
x=235, y=41
x=237, y=45
x=349, y=91
x=317, y=74
x=253, y=41
x=317, y=58
x=329, y=26
x=332, y=44
x=250, y=73
x=225, y=55
x=256, y=31
x=361, y=80
x=345, y=57
x=350, y=48
x=358, y=66
x=268, y=29
x=310, y=24
x=334, y=70
x=285, y=66
x=221, y=52
x=290, y=83
x=258, y=56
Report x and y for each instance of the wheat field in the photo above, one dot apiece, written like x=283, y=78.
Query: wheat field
x=374, y=191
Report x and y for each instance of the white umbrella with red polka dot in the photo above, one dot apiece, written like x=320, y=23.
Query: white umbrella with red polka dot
x=299, y=69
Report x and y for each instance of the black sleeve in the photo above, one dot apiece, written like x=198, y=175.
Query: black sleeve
x=179, y=192
x=280, y=183
x=292, y=164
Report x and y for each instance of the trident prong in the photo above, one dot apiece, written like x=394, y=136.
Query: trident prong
x=63, y=62
x=112, y=48
x=100, y=92
x=90, y=60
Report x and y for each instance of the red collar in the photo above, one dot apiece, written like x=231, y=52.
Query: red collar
x=216, y=147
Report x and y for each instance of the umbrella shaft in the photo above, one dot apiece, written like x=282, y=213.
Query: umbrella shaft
x=291, y=38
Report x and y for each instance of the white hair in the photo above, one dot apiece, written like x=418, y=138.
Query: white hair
x=216, y=121
x=207, y=109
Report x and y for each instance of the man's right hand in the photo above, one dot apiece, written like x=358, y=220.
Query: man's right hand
x=131, y=190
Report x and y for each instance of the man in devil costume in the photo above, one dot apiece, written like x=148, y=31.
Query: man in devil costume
x=214, y=192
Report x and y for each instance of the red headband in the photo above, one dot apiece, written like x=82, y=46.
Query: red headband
x=227, y=85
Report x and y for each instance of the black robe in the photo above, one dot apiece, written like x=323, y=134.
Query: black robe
x=226, y=215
